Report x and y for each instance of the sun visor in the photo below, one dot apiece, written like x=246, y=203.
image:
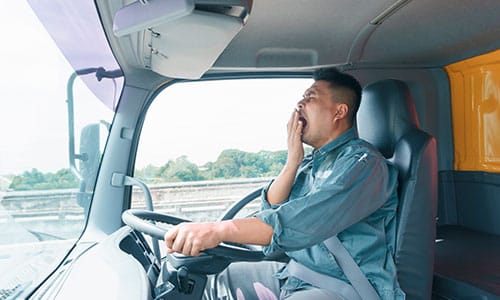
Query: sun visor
x=144, y=14
x=183, y=40
x=188, y=47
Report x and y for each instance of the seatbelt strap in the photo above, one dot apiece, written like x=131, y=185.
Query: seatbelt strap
x=323, y=281
x=351, y=269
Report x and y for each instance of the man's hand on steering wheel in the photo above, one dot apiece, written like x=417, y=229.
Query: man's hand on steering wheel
x=192, y=238
x=230, y=239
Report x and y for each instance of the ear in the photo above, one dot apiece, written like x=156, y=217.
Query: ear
x=342, y=110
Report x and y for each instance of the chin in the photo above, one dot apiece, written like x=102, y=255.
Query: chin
x=306, y=141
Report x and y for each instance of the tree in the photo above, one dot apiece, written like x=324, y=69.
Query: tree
x=149, y=173
x=227, y=164
x=231, y=163
x=235, y=163
x=36, y=180
x=180, y=169
x=28, y=180
x=62, y=179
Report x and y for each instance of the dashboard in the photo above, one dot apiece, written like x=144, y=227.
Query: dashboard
x=120, y=267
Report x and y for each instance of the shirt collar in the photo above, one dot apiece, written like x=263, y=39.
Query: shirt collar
x=346, y=136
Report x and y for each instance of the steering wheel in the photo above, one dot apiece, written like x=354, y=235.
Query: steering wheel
x=231, y=212
x=212, y=260
x=238, y=205
x=144, y=221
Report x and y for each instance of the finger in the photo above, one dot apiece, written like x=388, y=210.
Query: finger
x=296, y=133
x=293, y=116
x=186, y=248
x=170, y=237
x=298, y=127
x=296, y=117
x=290, y=122
x=196, y=249
x=179, y=241
x=293, y=123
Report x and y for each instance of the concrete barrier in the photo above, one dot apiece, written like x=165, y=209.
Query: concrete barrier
x=57, y=213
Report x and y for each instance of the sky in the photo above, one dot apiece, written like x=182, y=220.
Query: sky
x=185, y=120
x=33, y=111
x=206, y=119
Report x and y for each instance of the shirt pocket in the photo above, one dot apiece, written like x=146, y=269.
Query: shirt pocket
x=302, y=186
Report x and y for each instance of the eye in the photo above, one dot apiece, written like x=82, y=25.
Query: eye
x=308, y=95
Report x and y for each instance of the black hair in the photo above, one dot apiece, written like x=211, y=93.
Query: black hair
x=339, y=79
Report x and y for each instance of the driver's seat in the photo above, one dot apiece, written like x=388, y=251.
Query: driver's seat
x=387, y=118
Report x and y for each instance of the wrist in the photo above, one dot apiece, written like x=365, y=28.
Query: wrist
x=224, y=230
x=292, y=166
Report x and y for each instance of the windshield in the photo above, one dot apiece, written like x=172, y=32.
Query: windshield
x=54, y=123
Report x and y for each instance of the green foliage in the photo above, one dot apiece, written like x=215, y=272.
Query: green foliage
x=231, y=163
x=180, y=169
x=239, y=164
x=36, y=180
x=148, y=173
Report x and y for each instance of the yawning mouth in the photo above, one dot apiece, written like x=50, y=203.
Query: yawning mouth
x=304, y=122
x=302, y=119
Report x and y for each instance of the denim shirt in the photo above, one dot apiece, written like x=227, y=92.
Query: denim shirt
x=346, y=188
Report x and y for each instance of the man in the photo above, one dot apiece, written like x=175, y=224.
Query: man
x=344, y=188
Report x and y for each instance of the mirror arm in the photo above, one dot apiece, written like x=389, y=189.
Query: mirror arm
x=71, y=128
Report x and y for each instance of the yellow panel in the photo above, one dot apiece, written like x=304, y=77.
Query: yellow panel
x=475, y=94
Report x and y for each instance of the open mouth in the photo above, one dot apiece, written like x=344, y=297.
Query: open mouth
x=304, y=121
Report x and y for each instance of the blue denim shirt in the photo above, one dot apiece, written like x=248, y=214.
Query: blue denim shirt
x=346, y=188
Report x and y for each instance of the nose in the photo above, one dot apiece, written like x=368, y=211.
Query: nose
x=300, y=104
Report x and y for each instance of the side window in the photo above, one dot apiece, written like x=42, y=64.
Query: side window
x=205, y=145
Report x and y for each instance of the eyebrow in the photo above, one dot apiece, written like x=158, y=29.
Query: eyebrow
x=310, y=91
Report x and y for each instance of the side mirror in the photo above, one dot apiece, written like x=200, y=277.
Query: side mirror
x=89, y=155
x=88, y=158
x=90, y=152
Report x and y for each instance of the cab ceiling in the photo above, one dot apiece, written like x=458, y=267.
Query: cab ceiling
x=421, y=32
x=304, y=34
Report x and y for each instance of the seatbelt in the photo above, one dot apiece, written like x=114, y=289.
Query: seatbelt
x=351, y=269
x=323, y=281
x=360, y=287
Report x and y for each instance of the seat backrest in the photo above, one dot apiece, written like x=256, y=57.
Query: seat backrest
x=387, y=118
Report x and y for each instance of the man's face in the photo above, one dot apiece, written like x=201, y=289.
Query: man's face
x=317, y=111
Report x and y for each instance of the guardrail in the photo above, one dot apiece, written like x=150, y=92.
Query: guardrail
x=200, y=201
x=56, y=212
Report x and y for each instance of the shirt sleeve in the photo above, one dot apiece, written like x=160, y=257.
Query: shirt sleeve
x=343, y=193
x=264, y=204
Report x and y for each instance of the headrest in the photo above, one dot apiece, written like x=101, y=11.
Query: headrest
x=386, y=113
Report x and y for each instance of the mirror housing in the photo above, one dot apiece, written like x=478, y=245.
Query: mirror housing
x=89, y=159
x=90, y=155
x=143, y=14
